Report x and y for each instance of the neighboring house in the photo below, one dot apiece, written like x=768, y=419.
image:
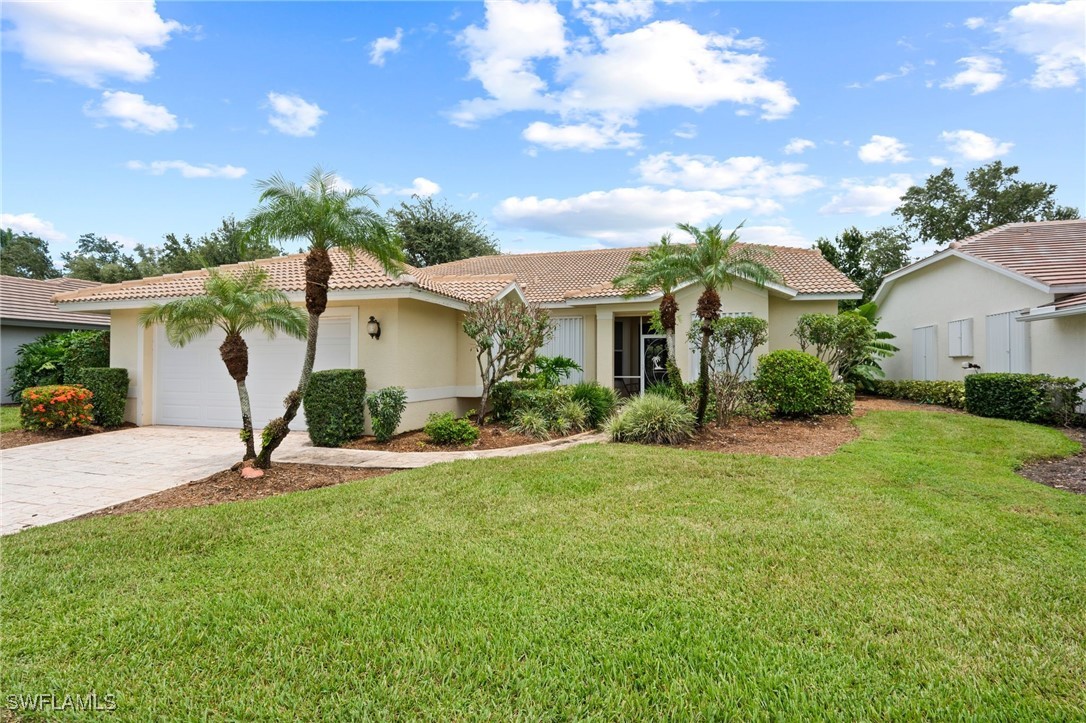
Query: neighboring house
x=422, y=346
x=28, y=312
x=1010, y=299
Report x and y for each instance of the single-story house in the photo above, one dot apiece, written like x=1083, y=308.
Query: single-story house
x=27, y=312
x=1010, y=299
x=421, y=345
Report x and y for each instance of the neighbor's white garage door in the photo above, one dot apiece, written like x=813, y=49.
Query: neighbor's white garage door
x=193, y=388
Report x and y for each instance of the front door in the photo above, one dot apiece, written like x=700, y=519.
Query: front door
x=653, y=360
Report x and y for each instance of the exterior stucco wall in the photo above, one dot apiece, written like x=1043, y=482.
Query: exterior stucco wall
x=783, y=315
x=1059, y=346
x=953, y=289
x=11, y=338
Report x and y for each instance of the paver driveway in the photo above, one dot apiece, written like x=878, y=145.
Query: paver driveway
x=43, y=483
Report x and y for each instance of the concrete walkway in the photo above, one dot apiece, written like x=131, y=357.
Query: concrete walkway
x=54, y=481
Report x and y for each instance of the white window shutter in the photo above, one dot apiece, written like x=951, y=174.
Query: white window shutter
x=1008, y=344
x=925, y=362
x=568, y=341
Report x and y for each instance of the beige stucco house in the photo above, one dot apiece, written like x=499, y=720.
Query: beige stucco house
x=421, y=346
x=1011, y=299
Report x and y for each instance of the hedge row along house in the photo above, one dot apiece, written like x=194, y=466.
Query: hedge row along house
x=1010, y=299
x=407, y=331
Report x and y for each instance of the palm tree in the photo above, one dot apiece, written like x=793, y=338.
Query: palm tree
x=235, y=304
x=714, y=262
x=327, y=216
x=654, y=270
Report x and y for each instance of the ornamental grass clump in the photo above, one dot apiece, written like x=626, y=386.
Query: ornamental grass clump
x=652, y=419
x=57, y=407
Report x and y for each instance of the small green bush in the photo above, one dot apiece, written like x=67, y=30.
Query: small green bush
x=839, y=400
x=507, y=398
x=335, y=404
x=531, y=423
x=652, y=419
x=57, y=407
x=598, y=400
x=1037, y=398
x=386, y=408
x=794, y=382
x=946, y=393
x=447, y=428
x=110, y=388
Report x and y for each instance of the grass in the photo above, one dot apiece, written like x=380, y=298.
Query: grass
x=911, y=575
x=9, y=419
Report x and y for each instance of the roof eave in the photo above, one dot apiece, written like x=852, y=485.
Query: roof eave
x=1040, y=313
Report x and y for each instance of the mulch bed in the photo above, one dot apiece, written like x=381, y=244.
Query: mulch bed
x=492, y=436
x=22, y=437
x=230, y=486
x=777, y=438
x=1064, y=474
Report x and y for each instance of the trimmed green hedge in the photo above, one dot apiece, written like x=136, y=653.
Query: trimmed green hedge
x=335, y=404
x=839, y=399
x=110, y=388
x=794, y=382
x=948, y=394
x=1037, y=398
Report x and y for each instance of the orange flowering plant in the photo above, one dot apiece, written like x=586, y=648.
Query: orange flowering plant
x=57, y=406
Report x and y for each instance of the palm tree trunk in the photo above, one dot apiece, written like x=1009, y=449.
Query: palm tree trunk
x=235, y=355
x=703, y=375
x=318, y=271
x=246, y=420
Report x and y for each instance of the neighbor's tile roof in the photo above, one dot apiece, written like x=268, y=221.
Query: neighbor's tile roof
x=1052, y=252
x=31, y=300
x=1069, y=301
x=543, y=277
x=560, y=275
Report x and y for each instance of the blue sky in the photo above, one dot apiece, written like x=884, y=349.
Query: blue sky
x=562, y=126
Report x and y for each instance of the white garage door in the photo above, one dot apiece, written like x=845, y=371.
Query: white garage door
x=193, y=388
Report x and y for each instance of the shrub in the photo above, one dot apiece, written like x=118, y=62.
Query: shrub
x=335, y=403
x=839, y=399
x=549, y=371
x=386, y=409
x=652, y=419
x=571, y=416
x=55, y=358
x=1038, y=398
x=599, y=401
x=109, y=385
x=532, y=424
x=753, y=405
x=948, y=394
x=508, y=397
x=795, y=383
x=446, y=428
x=57, y=406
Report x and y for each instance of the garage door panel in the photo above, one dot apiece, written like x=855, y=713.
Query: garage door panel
x=193, y=388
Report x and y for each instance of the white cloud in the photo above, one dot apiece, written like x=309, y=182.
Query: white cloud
x=419, y=187
x=974, y=23
x=686, y=131
x=1054, y=36
x=937, y=161
x=606, y=79
x=132, y=111
x=982, y=73
x=580, y=136
x=385, y=46
x=974, y=146
x=88, y=42
x=745, y=175
x=293, y=115
x=187, y=170
x=625, y=216
x=31, y=224
x=797, y=146
x=883, y=149
x=773, y=236
x=869, y=199
x=901, y=73
x=339, y=183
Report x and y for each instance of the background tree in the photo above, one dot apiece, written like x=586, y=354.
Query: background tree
x=237, y=305
x=506, y=337
x=231, y=243
x=434, y=233
x=714, y=262
x=654, y=269
x=26, y=256
x=326, y=217
x=942, y=211
x=96, y=258
x=865, y=257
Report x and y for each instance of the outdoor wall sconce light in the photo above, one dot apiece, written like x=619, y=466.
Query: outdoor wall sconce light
x=373, y=327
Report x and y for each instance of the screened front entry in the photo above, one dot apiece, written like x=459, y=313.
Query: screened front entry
x=640, y=355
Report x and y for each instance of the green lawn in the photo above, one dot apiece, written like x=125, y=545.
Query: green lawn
x=911, y=575
x=9, y=419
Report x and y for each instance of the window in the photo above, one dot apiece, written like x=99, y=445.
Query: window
x=925, y=363
x=960, y=338
x=747, y=372
x=567, y=341
x=1008, y=344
